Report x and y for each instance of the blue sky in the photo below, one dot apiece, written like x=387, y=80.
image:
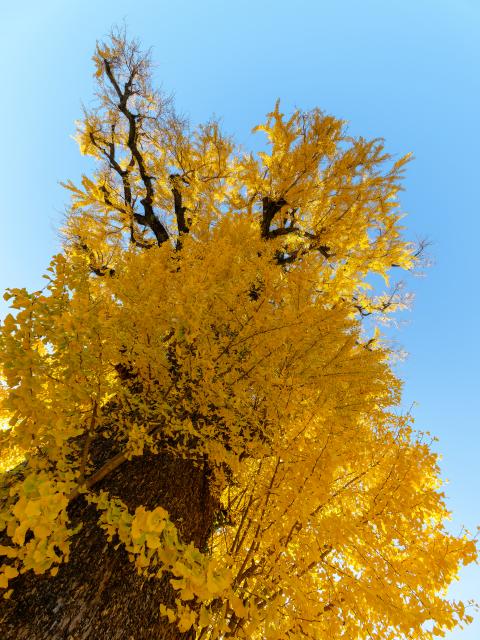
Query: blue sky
x=407, y=71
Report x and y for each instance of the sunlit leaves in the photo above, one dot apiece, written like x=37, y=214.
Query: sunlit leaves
x=234, y=337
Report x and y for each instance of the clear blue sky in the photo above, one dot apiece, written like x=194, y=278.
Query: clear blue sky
x=405, y=70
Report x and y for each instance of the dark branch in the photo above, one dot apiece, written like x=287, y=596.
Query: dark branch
x=102, y=270
x=282, y=231
x=178, y=204
x=269, y=211
x=152, y=221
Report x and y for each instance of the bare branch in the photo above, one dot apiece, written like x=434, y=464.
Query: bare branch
x=159, y=230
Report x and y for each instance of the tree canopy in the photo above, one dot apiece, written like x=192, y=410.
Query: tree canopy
x=208, y=305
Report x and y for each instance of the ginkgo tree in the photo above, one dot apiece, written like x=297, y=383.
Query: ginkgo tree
x=211, y=437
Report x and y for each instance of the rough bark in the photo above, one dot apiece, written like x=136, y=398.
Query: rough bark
x=98, y=595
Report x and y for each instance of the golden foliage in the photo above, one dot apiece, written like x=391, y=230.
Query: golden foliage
x=231, y=287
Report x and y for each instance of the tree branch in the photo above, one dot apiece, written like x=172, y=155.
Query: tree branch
x=177, y=201
x=152, y=221
x=269, y=209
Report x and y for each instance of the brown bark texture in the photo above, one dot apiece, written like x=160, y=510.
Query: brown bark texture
x=98, y=594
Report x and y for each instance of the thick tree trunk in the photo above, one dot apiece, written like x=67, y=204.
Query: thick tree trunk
x=98, y=595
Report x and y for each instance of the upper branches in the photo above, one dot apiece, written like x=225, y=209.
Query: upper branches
x=156, y=177
x=118, y=133
x=315, y=191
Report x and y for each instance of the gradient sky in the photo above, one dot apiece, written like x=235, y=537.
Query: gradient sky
x=405, y=70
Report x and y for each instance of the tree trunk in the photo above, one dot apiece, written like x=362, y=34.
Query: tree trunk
x=98, y=594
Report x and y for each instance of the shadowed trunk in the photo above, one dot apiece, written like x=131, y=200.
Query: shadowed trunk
x=98, y=595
